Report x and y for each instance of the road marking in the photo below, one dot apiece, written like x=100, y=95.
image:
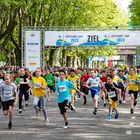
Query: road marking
x=128, y=132
x=131, y=123
x=133, y=117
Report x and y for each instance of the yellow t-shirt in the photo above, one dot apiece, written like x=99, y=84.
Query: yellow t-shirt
x=131, y=82
x=36, y=89
x=117, y=79
x=75, y=81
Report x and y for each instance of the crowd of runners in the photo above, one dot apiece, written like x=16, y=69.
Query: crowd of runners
x=109, y=86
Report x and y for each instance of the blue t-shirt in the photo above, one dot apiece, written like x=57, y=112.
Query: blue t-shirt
x=63, y=88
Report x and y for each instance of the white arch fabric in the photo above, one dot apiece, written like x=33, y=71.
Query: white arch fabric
x=92, y=38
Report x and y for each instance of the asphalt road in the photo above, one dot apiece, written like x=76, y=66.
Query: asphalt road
x=83, y=124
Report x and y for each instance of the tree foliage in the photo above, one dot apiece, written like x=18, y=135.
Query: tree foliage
x=135, y=12
x=18, y=13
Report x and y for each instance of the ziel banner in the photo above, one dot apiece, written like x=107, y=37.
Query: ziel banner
x=32, y=49
x=92, y=38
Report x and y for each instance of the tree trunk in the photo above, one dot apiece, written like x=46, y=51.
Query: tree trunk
x=51, y=57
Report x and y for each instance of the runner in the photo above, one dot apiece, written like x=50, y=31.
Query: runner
x=39, y=91
x=23, y=83
x=1, y=81
x=121, y=85
x=64, y=97
x=50, y=79
x=76, y=81
x=103, y=91
x=117, y=80
x=94, y=83
x=9, y=97
x=83, y=81
x=112, y=90
x=133, y=87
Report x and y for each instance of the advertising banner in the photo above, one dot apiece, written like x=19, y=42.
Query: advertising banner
x=32, y=50
x=92, y=38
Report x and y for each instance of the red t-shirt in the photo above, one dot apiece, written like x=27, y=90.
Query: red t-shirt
x=83, y=80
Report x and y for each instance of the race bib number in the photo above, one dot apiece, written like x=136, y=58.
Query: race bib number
x=21, y=80
x=103, y=83
x=74, y=82
x=49, y=81
x=132, y=81
x=62, y=89
x=37, y=85
x=111, y=94
x=7, y=93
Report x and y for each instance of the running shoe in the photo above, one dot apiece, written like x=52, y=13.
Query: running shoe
x=72, y=107
x=131, y=111
x=135, y=103
x=26, y=104
x=47, y=121
x=84, y=103
x=104, y=104
x=117, y=115
x=95, y=111
x=10, y=125
x=20, y=111
x=109, y=117
x=120, y=101
x=66, y=125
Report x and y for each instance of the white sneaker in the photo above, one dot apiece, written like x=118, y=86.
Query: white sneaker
x=65, y=127
x=47, y=121
x=124, y=102
x=73, y=108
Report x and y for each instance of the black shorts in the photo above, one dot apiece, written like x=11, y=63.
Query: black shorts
x=85, y=90
x=6, y=104
x=133, y=92
x=51, y=88
x=62, y=106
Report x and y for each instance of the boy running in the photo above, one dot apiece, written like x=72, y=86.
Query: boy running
x=112, y=91
x=64, y=96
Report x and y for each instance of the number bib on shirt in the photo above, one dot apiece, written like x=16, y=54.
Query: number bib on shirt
x=62, y=88
x=36, y=85
x=49, y=81
x=21, y=80
x=111, y=94
x=132, y=81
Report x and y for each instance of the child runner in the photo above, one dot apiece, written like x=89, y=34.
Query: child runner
x=94, y=83
x=112, y=90
x=9, y=97
x=39, y=91
x=133, y=87
x=64, y=97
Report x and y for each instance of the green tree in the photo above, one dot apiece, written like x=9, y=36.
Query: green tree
x=16, y=14
x=135, y=12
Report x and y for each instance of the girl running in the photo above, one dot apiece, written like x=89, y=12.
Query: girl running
x=9, y=97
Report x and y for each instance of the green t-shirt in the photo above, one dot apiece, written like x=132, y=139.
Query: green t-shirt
x=50, y=80
x=17, y=81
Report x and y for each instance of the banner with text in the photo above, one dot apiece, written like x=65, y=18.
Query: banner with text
x=92, y=38
x=32, y=49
